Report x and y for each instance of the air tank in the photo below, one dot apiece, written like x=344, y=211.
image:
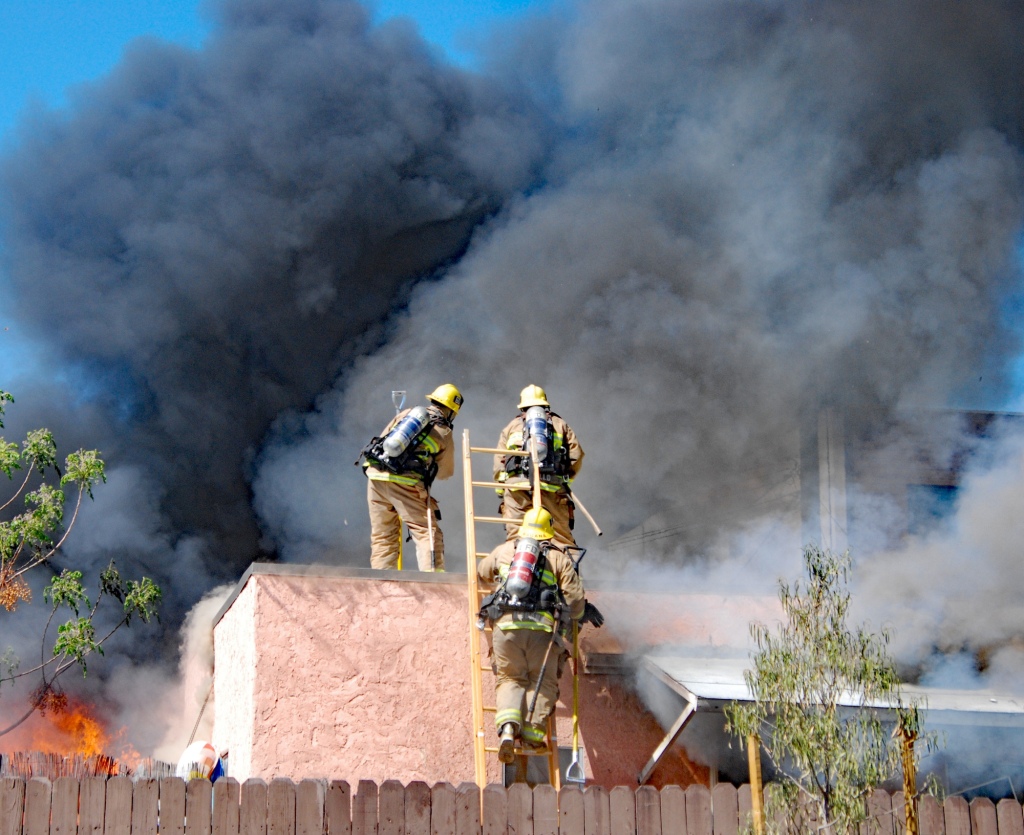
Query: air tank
x=520, y=572
x=537, y=429
x=404, y=431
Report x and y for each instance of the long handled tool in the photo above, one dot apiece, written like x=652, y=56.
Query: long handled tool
x=430, y=533
x=575, y=773
x=543, y=669
x=576, y=501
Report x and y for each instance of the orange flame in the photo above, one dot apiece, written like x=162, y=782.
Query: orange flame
x=69, y=726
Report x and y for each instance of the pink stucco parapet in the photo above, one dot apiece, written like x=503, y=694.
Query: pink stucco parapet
x=350, y=674
x=354, y=676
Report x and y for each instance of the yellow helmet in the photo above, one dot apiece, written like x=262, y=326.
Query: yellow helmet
x=446, y=395
x=537, y=524
x=532, y=396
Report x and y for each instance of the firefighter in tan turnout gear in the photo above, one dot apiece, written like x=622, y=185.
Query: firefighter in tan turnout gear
x=560, y=456
x=538, y=596
x=400, y=465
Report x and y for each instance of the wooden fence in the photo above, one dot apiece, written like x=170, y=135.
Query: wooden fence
x=121, y=806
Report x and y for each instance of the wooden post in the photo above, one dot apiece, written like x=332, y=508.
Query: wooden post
x=907, y=738
x=756, y=786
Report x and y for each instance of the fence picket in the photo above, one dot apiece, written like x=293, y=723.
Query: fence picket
x=12, y=805
x=168, y=806
x=145, y=799
x=226, y=805
x=391, y=808
x=339, y=808
x=309, y=808
x=622, y=811
x=930, y=814
x=520, y=809
x=958, y=816
x=64, y=807
x=545, y=810
x=698, y=810
x=648, y=811
x=1009, y=817
x=495, y=810
x=364, y=809
x=443, y=802
x=673, y=811
x=983, y=817
x=467, y=809
x=570, y=810
x=417, y=808
x=880, y=817
x=199, y=807
x=171, y=791
x=596, y=811
x=725, y=809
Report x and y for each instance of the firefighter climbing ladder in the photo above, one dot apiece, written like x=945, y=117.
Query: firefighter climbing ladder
x=477, y=647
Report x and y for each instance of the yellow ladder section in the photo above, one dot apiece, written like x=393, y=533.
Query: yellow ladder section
x=477, y=648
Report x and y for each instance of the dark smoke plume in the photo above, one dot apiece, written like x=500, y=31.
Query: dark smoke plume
x=208, y=238
x=693, y=223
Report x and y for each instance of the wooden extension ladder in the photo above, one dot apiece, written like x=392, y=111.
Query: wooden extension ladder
x=477, y=647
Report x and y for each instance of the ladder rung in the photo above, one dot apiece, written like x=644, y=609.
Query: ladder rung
x=502, y=485
x=523, y=452
x=500, y=520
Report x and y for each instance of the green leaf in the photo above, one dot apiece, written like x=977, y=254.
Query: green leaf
x=84, y=469
x=67, y=590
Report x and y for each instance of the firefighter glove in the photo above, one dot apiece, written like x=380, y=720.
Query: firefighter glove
x=591, y=614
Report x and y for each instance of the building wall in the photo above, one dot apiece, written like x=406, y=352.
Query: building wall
x=356, y=675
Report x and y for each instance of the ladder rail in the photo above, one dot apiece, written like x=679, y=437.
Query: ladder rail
x=477, y=666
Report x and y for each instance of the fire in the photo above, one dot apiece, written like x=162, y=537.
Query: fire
x=69, y=727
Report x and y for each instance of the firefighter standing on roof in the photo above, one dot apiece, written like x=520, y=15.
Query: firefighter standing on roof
x=539, y=593
x=398, y=487
x=561, y=458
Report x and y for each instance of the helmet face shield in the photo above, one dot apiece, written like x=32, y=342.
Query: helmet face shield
x=448, y=396
x=533, y=396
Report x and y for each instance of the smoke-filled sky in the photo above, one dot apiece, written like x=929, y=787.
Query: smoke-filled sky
x=693, y=223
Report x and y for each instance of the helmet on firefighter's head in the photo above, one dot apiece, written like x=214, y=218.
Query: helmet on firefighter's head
x=536, y=524
x=533, y=396
x=447, y=395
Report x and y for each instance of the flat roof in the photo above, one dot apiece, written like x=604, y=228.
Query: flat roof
x=715, y=681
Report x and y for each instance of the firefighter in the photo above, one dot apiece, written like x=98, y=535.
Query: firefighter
x=398, y=486
x=560, y=464
x=539, y=594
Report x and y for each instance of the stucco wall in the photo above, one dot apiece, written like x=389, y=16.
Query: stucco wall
x=234, y=648
x=356, y=677
x=355, y=674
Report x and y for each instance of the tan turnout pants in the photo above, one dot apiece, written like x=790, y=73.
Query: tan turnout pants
x=390, y=504
x=517, y=656
x=517, y=502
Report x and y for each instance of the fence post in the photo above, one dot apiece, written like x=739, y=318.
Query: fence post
x=1009, y=817
x=468, y=804
x=596, y=811
x=648, y=811
x=443, y=805
x=570, y=809
x=698, y=810
x=622, y=811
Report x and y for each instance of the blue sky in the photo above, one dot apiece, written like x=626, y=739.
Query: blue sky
x=51, y=45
